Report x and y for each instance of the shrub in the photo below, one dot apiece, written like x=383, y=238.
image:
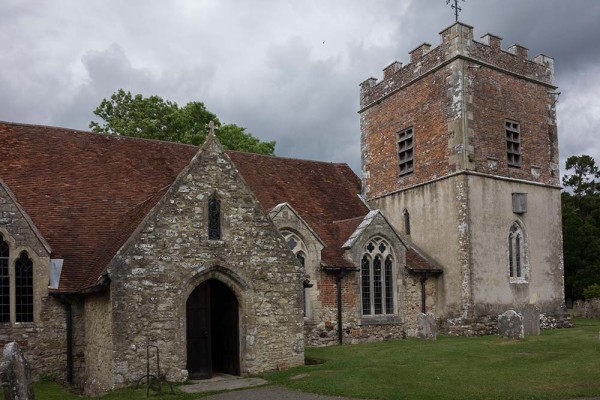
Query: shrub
x=592, y=291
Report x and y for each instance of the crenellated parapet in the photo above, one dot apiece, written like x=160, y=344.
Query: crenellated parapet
x=457, y=43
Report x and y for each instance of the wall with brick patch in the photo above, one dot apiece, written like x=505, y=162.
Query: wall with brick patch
x=457, y=97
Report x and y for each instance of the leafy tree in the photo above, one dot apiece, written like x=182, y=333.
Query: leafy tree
x=583, y=179
x=581, y=225
x=154, y=118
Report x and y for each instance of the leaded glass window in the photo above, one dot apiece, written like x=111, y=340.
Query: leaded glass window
x=516, y=252
x=296, y=244
x=214, y=218
x=24, y=288
x=377, y=278
x=4, y=282
x=366, y=285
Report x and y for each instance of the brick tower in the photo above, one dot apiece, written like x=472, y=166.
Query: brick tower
x=459, y=149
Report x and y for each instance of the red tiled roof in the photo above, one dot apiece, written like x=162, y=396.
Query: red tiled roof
x=87, y=193
x=82, y=189
x=320, y=192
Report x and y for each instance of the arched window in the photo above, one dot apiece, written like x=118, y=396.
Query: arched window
x=299, y=248
x=516, y=252
x=406, y=221
x=214, y=218
x=377, y=278
x=24, y=288
x=4, y=281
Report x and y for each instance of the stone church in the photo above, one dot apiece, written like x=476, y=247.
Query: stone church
x=234, y=262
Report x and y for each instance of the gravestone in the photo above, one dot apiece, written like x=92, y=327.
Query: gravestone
x=15, y=374
x=531, y=320
x=426, y=326
x=510, y=325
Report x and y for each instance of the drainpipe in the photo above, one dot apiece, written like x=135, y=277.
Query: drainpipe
x=69, y=321
x=338, y=281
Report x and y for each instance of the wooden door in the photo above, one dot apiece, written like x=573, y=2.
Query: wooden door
x=198, y=330
x=225, y=329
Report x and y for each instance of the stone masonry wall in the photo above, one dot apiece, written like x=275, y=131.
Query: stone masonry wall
x=170, y=255
x=356, y=327
x=98, y=343
x=44, y=340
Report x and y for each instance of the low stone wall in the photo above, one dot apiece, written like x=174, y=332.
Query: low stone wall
x=478, y=326
x=586, y=308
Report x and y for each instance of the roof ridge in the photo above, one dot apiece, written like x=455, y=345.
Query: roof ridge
x=288, y=158
x=104, y=134
x=339, y=221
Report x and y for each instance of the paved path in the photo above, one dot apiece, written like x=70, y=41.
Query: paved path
x=271, y=393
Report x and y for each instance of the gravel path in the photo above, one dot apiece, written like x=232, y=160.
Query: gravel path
x=271, y=393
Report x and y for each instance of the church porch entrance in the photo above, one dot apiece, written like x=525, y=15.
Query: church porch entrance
x=212, y=331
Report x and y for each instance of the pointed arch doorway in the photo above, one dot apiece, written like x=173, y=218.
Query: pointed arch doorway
x=212, y=330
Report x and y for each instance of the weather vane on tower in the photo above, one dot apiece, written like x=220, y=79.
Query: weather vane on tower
x=455, y=6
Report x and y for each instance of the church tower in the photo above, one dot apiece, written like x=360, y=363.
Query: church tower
x=460, y=151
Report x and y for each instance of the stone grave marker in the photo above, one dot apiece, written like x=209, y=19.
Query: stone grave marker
x=510, y=325
x=531, y=320
x=15, y=374
x=426, y=326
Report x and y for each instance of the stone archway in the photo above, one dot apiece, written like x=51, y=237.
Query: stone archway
x=212, y=330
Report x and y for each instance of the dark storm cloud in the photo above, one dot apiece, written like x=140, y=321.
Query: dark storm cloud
x=288, y=71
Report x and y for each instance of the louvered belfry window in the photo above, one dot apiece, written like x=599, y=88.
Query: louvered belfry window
x=405, y=152
x=513, y=143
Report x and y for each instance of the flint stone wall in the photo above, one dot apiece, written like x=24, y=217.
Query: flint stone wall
x=586, y=308
x=170, y=255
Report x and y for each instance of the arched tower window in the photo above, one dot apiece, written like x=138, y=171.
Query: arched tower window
x=24, y=288
x=377, y=278
x=4, y=281
x=214, y=218
x=406, y=221
x=517, y=267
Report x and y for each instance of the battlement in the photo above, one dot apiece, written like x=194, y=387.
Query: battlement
x=457, y=43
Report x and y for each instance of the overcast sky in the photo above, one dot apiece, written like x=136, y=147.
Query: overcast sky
x=286, y=70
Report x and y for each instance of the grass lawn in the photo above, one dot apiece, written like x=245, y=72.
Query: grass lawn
x=558, y=364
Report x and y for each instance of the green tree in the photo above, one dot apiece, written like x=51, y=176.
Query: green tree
x=154, y=118
x=585, y=172
x=581, y=225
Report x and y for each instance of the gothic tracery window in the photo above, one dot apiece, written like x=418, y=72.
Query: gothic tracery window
x=377, y=278
x=299, y=249
x=516, y=252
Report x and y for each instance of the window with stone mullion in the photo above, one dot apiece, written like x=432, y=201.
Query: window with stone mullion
x=24, y=288
x=4, y=282
x=366, y=285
